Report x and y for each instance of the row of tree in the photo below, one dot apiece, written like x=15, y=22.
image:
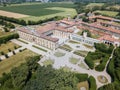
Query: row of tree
x=23, y=22
x=6, y=24
x=6, y=38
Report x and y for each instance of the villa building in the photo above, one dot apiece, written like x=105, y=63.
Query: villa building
x=53, y=34
x=50, y=35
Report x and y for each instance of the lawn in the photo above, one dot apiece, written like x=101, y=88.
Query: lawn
x=2, y=33
x=66, y=69
x=22, y=41
x=48, y=62
x=102, y=79
x=14, y=61
x=88, y=46
x=39, y=48
x=83, y=84
x=9, y=45
x=74, y=42
x=59, y=54
x=81, y=53
x=82, y=65
x=73, y=60
x=66, y=47
x=42, y=10
x=107, y=13
x=91, y=5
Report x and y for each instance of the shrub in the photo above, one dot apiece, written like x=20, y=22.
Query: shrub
x=15, y=47
x=20, y=50
x=6, y=38
x=9, y=50
x=92, y=83
x=81, y=77
x=6, y=55
x=14, y=53
x=102, y=65
x=2, y=53
x=89, y=61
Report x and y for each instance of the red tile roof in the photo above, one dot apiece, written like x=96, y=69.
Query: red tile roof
x=40, y=30
x=109, y=38
x=97, y=25
x=101, y=17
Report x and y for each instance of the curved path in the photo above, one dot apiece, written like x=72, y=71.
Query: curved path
x=64, y=61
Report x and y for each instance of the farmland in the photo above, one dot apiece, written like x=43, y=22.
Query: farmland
x=42, y=10
x=108, y=13
x=91, y=5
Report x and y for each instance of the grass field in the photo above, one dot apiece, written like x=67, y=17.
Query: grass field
x=2, y=33
x=80, y=53
x=14, y=61
x=73, y=60
x=108, y=13
x=42, y=10
x=83, y=84
x=91, y=5
x=59, y=54
x=48, y=62
x=9, y=45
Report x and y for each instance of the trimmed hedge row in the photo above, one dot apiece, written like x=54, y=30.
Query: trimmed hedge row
x=6, y=38
x=81, y=77
x=92, y=83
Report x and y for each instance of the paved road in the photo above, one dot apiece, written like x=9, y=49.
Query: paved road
x=64, y=61
x=29, y=46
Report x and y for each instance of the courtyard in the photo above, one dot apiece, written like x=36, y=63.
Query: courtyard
x=63, y=57
x=68, y=60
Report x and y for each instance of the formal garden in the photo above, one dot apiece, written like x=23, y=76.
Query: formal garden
x=66, y=47
x=74, y=60
x=48, y=62
x=102, y=79
x=59, y=54
x=82, y=65
x=81, y=53
x=97, y=60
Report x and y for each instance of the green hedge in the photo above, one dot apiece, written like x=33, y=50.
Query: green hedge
x=110, y=69
x=81, y=77
x=6, y=38
x=102, y=65
x=92, y=83
x=89, y=62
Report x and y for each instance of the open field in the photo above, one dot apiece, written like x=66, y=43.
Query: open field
x=73, y=60
x=48, y=62
x=9, y=45
x=14, y=61
x=108, y=13
x=41, y=10
x=91, y=5
x=83, y=84
x=11, y=14
x=2, y=33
